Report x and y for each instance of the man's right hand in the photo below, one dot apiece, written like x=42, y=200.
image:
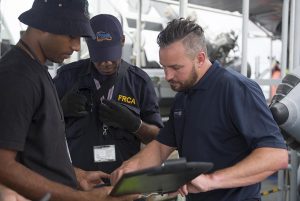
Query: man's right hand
x=127, y=166
x=150, y=156
x=73, y=105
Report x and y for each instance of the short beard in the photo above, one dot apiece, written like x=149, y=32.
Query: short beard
x=190, y=82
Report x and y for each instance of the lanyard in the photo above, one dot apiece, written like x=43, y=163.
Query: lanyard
x=26, y=47
x=109, y=96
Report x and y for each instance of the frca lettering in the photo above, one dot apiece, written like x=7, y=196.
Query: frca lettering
x=126, y=99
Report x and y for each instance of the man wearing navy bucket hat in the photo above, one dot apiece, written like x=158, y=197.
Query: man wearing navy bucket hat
x=110, y=106
x=33, y=153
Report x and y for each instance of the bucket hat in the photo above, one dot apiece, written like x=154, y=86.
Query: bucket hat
x=66, y=17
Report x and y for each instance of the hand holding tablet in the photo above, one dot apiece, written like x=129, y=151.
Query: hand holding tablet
x=168, y=177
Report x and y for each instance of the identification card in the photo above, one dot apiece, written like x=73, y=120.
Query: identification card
x=104, y=153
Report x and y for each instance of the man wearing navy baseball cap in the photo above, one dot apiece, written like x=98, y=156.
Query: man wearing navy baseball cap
x=34, y=156
x=109, y=106
x=109, y=39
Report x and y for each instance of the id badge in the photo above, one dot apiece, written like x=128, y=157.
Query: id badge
x=104, y=153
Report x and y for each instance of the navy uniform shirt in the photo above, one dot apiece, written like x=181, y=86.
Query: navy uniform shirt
x=134, y=91
x=221, y=120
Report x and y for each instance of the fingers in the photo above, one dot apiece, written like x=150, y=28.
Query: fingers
x=116, y=175
x=126, y=167
x=84, y=185
x=92, y=178
x=105, y=113
x=107, y=102
x=104, y=108
x=103, y=174
x=107, y=107
x=97, y=176
x=111, y=104
x=183, y=191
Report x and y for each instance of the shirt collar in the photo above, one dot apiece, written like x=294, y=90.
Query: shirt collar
x=91, y=71
x=204, y=82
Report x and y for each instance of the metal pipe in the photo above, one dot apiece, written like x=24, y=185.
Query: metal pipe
x=183, y=8
x=139, y=34
x=292, y=34
x=194, y=6
x=271, y=53
x=297, y=36
x=293, y=176
x=284, y=36
x=257, y=67
x=281, y=187
x=245, y=36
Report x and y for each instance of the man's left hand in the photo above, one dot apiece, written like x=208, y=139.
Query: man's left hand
x=87, y=180
x=202, y=183
x=114, y=114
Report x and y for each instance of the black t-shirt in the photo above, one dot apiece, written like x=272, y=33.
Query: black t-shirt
x=31, y=118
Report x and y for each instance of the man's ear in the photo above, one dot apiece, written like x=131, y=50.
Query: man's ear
x=123, y=40
x=201, y=56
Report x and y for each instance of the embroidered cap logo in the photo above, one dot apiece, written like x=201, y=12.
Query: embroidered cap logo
x=103, y=36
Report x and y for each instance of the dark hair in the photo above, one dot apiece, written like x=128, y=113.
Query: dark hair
x=191, y=34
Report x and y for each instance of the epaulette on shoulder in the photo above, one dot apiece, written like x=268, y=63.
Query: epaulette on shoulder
x=74, y=66
x=139, y=72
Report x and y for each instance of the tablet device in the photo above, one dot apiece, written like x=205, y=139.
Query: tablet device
x=168, y=177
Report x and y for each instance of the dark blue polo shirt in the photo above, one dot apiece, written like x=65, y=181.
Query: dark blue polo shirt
x=221, y=120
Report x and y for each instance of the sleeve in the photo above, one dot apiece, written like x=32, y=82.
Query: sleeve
x=166, y=135
x=19, y=101
x=252, y=117
x=61, y=84
x=149, y=108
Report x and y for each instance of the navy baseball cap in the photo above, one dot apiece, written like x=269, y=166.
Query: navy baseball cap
x=107, y=46
x=66, y=17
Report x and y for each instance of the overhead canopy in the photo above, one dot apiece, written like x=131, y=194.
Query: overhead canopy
x=266, y=13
